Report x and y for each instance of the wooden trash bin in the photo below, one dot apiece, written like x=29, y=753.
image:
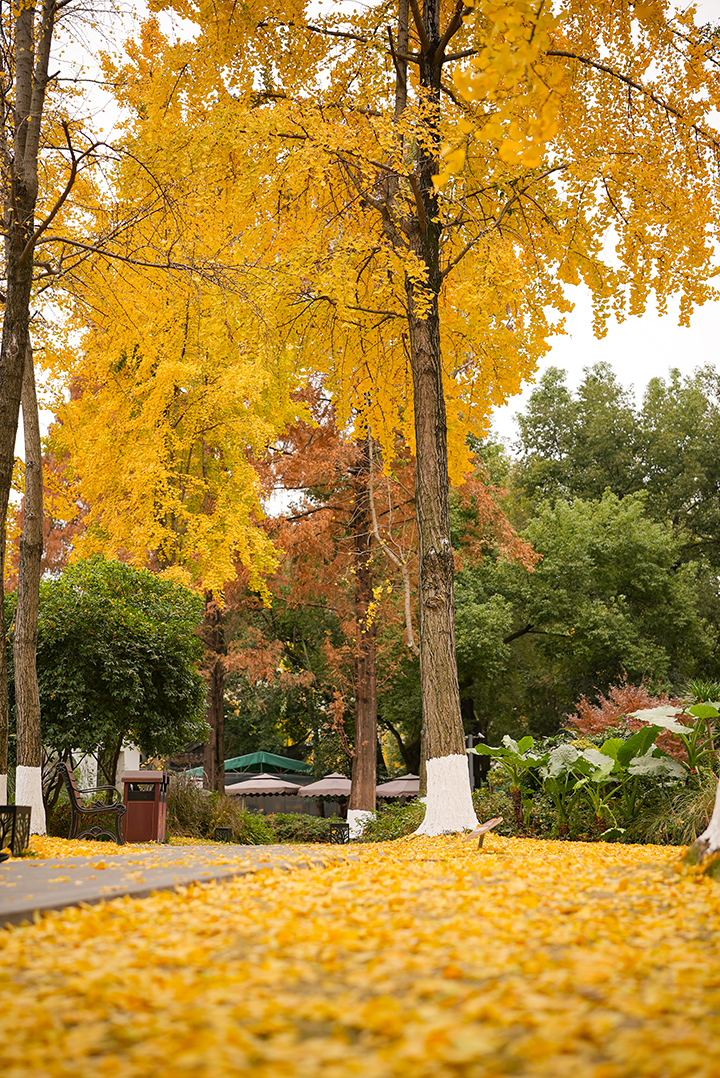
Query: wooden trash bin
x=145, y=797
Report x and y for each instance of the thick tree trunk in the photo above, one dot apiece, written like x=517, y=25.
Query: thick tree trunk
x=364, y=768
x=214, y=753
x=28, y=774
x=449, y=801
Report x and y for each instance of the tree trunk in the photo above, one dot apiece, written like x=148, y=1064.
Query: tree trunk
x=108, y=757
x=364, y=766
x=449, y=801
x=214, y=753
x=28, y=774
x=409, y=750
x=32, y=54
x=708, y=842
x=19, y=221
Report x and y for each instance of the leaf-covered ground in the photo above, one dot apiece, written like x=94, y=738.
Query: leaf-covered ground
x=422, y=958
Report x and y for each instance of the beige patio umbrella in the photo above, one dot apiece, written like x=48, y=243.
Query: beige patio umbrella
x=335, y=785
x=402, y=786
x=262, y=784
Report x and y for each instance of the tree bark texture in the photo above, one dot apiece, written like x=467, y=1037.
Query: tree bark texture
x=20, y=176
x=364, y=767
x=27, y=695
x=438, y=666
x=449, y=803
x=214, y=752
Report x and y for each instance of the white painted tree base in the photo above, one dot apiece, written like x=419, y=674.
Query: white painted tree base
x=28, y=791
x=448, y=801
x=357, y=819
x=3, y=790
x=709, y=841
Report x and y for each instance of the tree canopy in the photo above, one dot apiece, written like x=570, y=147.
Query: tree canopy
x=306, y=153
x=118, y=661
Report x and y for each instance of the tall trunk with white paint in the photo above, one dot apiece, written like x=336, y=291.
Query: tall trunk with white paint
x=28, y=775
x=449, y=800
x=26, y=67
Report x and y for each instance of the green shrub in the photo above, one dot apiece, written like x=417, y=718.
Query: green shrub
x=496, y=801
x=58, y=818
x=394, y=821
x=299, y=827
x=677, y=815
x=195, y=813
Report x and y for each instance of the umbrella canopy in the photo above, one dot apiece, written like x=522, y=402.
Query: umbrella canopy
x=255, y=761
x=335, y=785
x=263, y=784
x=403, y=786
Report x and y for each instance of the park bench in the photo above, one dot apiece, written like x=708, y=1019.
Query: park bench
x=79, y=810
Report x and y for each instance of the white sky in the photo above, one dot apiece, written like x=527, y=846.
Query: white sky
x=639, y=348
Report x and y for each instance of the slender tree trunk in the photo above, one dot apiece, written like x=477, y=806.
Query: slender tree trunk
x=107, y=764
x=409, y=750
x=214, y=753
x=28, y=774
x=28, y=70
x=15, y=335
x=449, y=801
x=364, y=767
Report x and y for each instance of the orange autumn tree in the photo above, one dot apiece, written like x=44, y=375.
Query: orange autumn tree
x=426, y=299
x=331, y=553
x=339, y=612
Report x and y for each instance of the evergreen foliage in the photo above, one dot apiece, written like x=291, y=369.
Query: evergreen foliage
x=118, y=661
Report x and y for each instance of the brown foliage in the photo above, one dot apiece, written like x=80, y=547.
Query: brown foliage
x=612, y=711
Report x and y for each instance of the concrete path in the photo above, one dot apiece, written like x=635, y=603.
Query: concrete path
x=29, y=886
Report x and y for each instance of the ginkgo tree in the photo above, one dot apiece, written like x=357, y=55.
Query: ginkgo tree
x=434, y=178
x=177, y=383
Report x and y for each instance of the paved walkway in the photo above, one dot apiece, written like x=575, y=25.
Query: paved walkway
x=29, y=886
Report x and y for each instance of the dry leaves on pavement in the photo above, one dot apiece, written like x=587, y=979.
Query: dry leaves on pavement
x=420, y=957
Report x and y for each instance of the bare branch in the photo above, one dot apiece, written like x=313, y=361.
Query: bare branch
x=498, y=220
x=460, y=55
x=74, y=163
x=454, y=25
x=420, y=26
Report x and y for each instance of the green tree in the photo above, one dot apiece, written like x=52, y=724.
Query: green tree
x=610, y=595
x=117, y=661
x=680, y=419
x=579, y=446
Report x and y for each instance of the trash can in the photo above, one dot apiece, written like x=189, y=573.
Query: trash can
x=145, y=797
